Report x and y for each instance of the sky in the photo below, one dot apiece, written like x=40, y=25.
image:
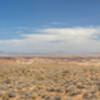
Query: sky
x=50, y=26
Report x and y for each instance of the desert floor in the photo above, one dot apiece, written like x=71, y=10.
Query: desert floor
x=49, y=79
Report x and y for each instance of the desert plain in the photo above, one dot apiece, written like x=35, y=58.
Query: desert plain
x=50, y=77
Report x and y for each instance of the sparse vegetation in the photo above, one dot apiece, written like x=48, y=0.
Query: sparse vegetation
x=44, y=80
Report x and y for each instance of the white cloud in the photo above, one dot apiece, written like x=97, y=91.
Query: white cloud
x=58, y=23
x=69, y=40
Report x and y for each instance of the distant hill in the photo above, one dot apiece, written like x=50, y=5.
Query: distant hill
x=2, y=54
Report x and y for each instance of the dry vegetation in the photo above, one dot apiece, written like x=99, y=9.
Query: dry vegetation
x=49, y=79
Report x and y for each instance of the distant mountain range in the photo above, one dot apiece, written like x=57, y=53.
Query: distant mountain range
x=2, y=52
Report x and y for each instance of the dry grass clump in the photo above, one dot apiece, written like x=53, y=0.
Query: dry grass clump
x=52, y=81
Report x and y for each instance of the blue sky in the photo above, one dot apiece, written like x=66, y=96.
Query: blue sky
x=20, y=20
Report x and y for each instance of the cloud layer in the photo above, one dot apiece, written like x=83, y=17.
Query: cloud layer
x=56, y=40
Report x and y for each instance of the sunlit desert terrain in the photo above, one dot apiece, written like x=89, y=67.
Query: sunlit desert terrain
x=50, y=77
